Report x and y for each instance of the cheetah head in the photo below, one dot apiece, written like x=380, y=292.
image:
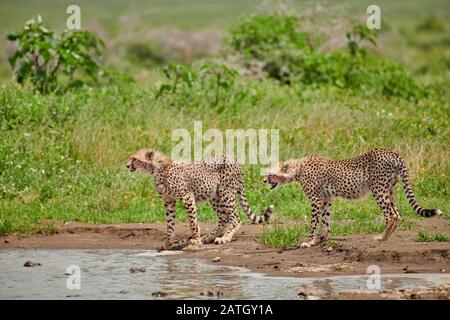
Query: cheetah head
x=281, y=173
x=144, y=160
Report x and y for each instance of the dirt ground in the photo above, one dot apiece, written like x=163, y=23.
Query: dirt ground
x=350, y=255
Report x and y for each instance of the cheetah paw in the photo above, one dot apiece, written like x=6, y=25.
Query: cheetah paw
x=195, y=241
x=306, y=244
x=208, y=239
x=378, y=237
x=221, y=240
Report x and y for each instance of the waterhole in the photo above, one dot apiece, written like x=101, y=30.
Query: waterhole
x=106, y=274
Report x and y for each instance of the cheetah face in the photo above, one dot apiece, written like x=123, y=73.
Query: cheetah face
x=277, y=175
x=130, y=165
x=144, y=155
x=274, y=180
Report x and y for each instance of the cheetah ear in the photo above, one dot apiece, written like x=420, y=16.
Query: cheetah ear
x=149, y=155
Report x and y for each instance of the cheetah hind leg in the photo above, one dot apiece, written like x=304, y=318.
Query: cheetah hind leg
x=387, y=205
x=219, y=230
x=233, y=225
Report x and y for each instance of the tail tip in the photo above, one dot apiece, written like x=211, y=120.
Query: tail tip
x=438, y=212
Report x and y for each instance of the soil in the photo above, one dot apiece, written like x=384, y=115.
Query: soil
x=350, y=255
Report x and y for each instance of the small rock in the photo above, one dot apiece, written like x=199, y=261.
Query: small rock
x=442, y=270
x=138, y=268
x=211, y=293
x=160, y=294
x=216, y=259
x=329, y=249
x=218, y=294
x=7, y=241
x=123, y=291
x=307, y=291
x=30, y=263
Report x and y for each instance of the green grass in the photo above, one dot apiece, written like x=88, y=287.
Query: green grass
x=63, y=157
x=425, y=236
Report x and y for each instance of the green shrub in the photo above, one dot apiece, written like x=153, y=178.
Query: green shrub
x=260, y=36
x=208, y=83
x=147, y=54
x=288, y=55
x=431, y=23
x=41, y=54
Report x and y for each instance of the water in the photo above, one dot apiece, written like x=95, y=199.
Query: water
x=105, y=274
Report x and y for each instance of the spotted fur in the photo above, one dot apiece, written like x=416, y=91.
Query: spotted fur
x=323, y=179
x=217, y=180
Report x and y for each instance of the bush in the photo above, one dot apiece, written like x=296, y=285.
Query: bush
x=42, y=55
x=209, y=82
x=288, y=55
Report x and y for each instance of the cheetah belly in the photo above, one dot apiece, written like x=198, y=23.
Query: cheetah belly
x=352, y=192
x=204, y=190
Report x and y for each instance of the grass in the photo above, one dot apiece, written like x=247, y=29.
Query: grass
x=62, y=157
x=425, y=236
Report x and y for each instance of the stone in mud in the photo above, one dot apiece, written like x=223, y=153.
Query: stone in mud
x=30, y=263
x=160, y=294
x=306, y=291
x=138, y=268
x=211, y=293
x=7, y=241
x=216, y=259
x=329, y=249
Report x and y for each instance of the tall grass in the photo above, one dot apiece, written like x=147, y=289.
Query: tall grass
x=63, y=157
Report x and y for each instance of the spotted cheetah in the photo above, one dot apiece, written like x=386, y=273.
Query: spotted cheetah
x=217, y=180
x=323, y=179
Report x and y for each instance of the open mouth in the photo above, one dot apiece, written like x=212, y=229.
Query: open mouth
x=132, y=169
x=273, y=185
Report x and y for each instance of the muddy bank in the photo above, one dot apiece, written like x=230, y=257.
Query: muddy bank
x=441, y=292
x=350, y=255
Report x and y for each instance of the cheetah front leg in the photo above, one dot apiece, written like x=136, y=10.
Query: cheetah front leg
x=234, y=222
x=169, y=204
x=317, y=208
x=189, y=204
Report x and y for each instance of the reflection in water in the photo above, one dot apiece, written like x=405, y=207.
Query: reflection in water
x=105, y=274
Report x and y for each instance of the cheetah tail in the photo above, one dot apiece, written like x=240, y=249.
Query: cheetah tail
x=255, y=219
x=411, y=197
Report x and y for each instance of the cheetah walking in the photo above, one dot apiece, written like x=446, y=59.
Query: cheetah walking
x=323, y=179
x=217, y=180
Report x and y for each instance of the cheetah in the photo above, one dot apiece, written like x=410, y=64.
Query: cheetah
x=217, y=180
x=323, y=179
